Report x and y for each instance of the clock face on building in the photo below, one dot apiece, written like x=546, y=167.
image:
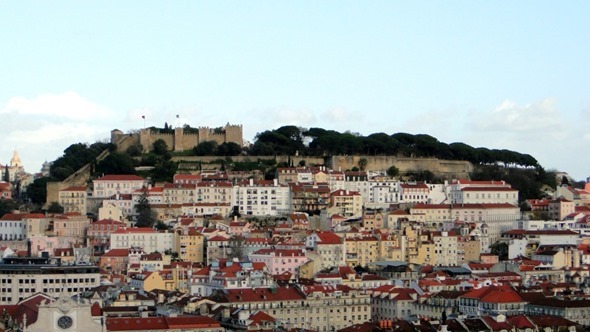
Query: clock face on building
x=65, y=322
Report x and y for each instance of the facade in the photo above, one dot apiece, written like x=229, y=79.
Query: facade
x=346, y=203
x=71, y=224
x=13, y=227
x=280, y=261
x=560, y=208
x=318, y=308
x=190, y=245
x=329, y=246
x=144, y=237
x=23, y=277
x=112, y=185
x=262, y=198
x=99, y=233
x=73, y=199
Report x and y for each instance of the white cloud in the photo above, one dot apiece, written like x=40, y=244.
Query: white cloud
x=41, y=128
x=512, y=117
x=67, y=105
x=340, y=114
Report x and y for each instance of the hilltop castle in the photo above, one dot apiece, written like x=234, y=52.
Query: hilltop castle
x=178, y=139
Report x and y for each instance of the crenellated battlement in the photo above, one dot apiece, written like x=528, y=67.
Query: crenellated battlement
x=181, y=139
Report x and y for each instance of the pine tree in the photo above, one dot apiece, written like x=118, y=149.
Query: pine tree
x=6, y=176
x=145, y=215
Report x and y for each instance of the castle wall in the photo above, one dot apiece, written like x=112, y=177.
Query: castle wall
x=447, y=169
x=147, y=139
x=125, y=141
x=77, y=179
x=444, y=168
x=181, y=141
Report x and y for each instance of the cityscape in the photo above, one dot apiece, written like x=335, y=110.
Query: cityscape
x=294, y=166
x=305, y=246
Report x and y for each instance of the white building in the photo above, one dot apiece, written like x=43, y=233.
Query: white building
x=262, y=198
x=144, y=237
x=13, y=227
x=23, y=277
x=111, y=185
x=487, y=192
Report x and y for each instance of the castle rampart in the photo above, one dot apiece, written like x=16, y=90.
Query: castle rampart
x=180, y=139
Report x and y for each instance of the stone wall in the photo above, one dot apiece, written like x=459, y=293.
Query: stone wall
x=77, y=179
x=180, y=140
x=447, y=169
x=443, y=168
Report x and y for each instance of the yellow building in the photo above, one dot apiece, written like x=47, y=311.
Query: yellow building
x=361, y=251
x=373, y=219
x=419, y=249
x=346, y=203
x=73, y=199
x=190, y=245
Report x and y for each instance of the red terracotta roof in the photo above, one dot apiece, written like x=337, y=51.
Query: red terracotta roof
x=120, y=177
x=263, y=294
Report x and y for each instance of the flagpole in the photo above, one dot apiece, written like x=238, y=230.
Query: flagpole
x=177, y=120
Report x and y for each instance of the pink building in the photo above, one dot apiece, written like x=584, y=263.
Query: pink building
x=280, y=261
x=99, y=233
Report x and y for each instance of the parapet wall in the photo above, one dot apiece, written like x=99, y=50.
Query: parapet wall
x=181, y=140
x=447, y=169
x=442, y=168
x=77, y=179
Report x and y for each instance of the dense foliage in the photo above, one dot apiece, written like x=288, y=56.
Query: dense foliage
x=211, y=148
x=76, y=156
x=289, y=140
x=528, y=182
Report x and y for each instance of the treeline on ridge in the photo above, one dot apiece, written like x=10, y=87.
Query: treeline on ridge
x=291, y=140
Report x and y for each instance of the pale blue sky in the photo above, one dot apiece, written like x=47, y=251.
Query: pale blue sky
x=498, y=74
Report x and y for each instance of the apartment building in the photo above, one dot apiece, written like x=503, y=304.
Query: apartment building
x=113, y=184
x=262, y=198
x=23, y=277
x=144, y=237
x=346, y=203
x=13, y=227
x=73, y=199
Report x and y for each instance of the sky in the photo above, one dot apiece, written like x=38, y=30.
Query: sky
x=496, y=74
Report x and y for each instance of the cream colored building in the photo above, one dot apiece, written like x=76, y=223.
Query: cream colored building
x=346, y=203
x=190, y=245
x=71, y=225
x=318, y=308
x=73, y=199
x=65, y=314
x=144, y=237
x=113, y=184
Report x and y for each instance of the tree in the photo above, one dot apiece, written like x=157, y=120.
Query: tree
x=116, y=163
x=161, y=226
x=164, y=171
x=6, y=175
x=392, y=171
x=134, y=150
x=6, y=206
x=160, y=147
x=55, y=207
x=500, y=249
x=37, y=191
x=363, y=162
x=207, y=148
x=145, y=216
x=229, y=149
